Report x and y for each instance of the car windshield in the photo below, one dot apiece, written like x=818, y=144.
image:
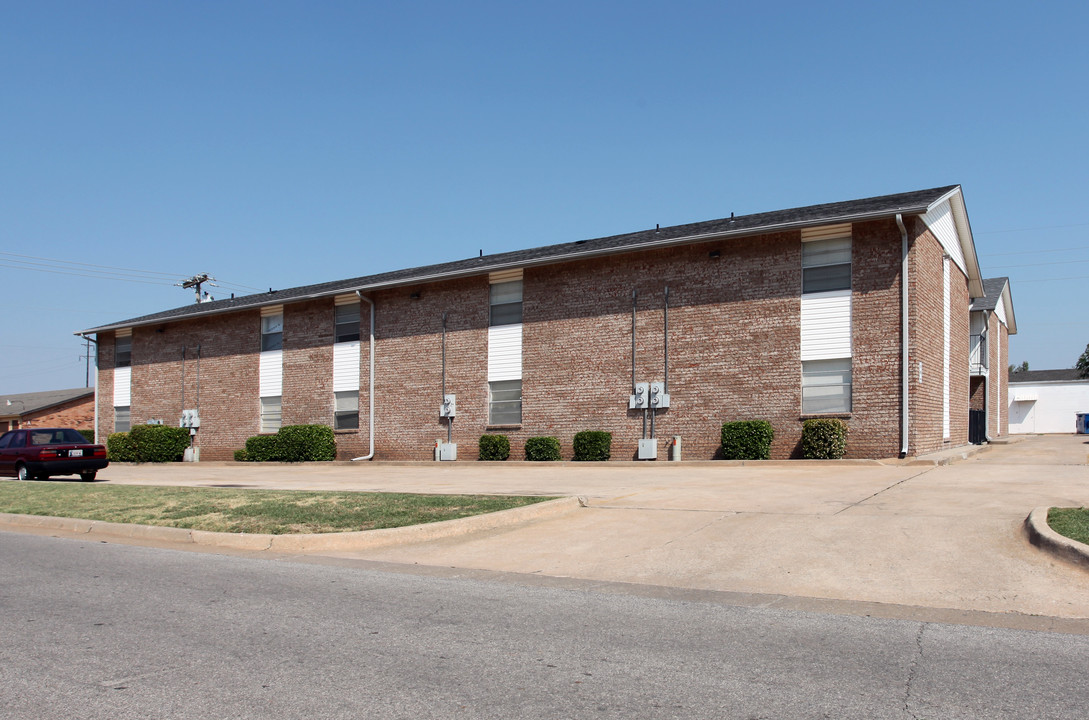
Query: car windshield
x=54, y=437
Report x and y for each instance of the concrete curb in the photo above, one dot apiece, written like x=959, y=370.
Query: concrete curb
x=319, y=542
x=1042, y=536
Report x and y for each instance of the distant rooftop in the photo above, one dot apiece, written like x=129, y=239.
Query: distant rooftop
x=1029, y=376
x=25, y=403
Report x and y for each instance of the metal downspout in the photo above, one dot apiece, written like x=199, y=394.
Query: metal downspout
x=904, y=356
x=370, y=386
x=987, y=380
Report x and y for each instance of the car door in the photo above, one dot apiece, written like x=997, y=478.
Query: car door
x=8, y=452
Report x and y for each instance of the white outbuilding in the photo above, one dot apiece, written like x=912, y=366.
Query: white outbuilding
x=1046, y=401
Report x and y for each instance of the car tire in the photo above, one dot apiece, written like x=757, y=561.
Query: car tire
x=88, y=475
x=21, y=473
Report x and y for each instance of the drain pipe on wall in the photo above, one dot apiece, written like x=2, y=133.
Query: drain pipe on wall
x=370, y=386
x=904, y=357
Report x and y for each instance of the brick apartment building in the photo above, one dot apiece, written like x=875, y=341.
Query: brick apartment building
x=779, y=316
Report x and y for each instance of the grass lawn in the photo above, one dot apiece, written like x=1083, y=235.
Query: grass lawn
x=276, y=512
x=1071, y=522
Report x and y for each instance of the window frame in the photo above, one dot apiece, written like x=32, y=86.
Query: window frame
x=345, y=418
x=346, y=330
x=266, y=413
x=272, y=340
x=503, y=313
x=510, y=404
x=829, y=371
x=815, y=272
x=122, y=351
x=118, y=411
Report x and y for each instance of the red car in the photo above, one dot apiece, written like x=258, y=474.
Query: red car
x=38, y=453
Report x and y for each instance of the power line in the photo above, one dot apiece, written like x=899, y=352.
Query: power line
x=62, y=263
x=1043, y=227
x=1037, y=252
x=1057, y=262
x=76, y=274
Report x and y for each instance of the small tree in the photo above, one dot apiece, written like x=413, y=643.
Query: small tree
x=1019, y=368
x=1082, y=365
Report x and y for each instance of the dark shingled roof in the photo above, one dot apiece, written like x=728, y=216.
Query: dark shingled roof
x=908, y=203
x=992, y=291
x=25, y=403
x=1033, y=376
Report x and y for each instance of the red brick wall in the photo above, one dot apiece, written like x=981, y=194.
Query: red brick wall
x=78, y=414
x=875, y=309
x=926, y=320
x=734, y=354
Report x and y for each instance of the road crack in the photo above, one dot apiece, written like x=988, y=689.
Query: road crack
x=884, y=490
x=916, y=661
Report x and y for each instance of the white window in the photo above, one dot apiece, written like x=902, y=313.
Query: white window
x=505, y=403
x=122, y=351
x=122, y=418
x=272, y=332
x=506, y=303
x=347, y=322
x=826, y=386
x=346, y=412
x=270, y=414
x=826, y=265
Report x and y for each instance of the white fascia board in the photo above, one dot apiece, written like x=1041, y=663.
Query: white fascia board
x=1007, y=304
x=955, y=197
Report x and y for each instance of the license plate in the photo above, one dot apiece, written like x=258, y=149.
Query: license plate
x=75, y=453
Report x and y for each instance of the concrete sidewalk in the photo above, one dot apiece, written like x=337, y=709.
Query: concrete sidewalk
x=926, y=534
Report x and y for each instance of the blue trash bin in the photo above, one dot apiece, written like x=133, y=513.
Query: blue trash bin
x=1083, y=423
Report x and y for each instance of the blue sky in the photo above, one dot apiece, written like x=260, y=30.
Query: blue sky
x=276, y=144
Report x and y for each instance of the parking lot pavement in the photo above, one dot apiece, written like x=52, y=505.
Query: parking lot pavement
x=936, y=536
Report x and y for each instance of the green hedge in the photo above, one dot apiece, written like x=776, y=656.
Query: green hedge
x=543, y=448
x=119, y=448
x=593, y=445
x=824, y=439
x=159, y=443
x=87, y=433
x=292, y=443
x=494, y=447
x=148, y=443
x=747, y=440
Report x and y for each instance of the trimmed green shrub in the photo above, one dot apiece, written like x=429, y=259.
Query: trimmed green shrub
x=747, y=440
x=240, y=455
x=159, y=443
x=543, y=448
x=119, y=448
x=307, y=443
x=593, y=445
x=494, y=447
x=87, y=433
x=824, y=439
x=293, y=443
x=262, y=448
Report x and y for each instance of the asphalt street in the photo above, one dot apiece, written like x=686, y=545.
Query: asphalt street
x=100, y=630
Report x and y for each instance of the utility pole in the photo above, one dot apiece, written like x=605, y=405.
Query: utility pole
x=87, y=356
x=195, y=282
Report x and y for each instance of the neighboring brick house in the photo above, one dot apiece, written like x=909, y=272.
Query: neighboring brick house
x=53, y=408
x=780, y=316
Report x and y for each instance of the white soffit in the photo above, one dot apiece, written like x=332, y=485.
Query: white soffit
x=1005, y=308
x=947, y=218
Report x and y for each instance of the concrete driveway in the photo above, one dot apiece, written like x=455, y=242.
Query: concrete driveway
x=934, y=536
